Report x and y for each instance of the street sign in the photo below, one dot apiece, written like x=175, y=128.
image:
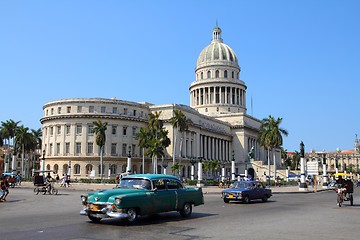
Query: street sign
x=312, y=168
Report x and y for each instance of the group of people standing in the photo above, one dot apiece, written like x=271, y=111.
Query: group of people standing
x=64, y=181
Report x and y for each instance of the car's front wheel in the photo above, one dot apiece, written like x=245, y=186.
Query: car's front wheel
x=246, y=199
x=186, y=210
x=265, y=198
x=226, y=200
x=132, y=215
x=94, y=219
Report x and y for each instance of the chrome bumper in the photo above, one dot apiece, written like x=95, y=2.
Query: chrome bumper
x=103, y=213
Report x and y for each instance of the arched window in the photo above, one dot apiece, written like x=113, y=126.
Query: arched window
x=113, y=169
x=76, y=169
x=134, y=169
x=48, y=167
x=208, y=74
x=56, y=168
x=89, y=168
x=217, y=74
x=225, y=74
x=202, y=75
x=123, y=168
x=65, y=169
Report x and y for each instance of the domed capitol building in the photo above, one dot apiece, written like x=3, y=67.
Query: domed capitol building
x=220, y=127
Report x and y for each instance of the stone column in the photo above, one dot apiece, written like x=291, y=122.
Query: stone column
x=303, y=185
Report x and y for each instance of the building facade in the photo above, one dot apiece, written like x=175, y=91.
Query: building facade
x=220, y=127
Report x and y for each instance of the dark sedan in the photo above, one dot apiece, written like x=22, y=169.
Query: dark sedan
x=246, y=191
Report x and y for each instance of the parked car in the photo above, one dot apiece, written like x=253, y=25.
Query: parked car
x=246, y=191
x=142, y=194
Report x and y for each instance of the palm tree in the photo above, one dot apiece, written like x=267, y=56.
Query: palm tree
x=24, y=139
x=8, y=129
x=270, y=137
x=99, y=130
x=143, y=137
x=180, y=123
x=37, y=134
x=295, y=160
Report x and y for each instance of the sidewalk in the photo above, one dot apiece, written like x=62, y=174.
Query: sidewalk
x=206, y=190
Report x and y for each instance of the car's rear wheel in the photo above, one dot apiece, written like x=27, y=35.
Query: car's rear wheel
x=186, y=210
x=226, y=200
x=94, y=219
x=246, y=199
x=132, y=215
x=351, y=200
x=265, y=198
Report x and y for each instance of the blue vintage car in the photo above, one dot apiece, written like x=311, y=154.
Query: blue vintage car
x=142, y=194
x=246, y=191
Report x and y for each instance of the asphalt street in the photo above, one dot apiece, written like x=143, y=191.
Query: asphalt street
x=285, y=216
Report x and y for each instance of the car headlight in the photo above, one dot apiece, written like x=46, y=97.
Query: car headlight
x=84, y=199
x=117, y=201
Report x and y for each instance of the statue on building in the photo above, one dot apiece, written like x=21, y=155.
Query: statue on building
x=251, y=153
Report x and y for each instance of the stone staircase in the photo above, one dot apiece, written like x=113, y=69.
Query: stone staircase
x=261, y=168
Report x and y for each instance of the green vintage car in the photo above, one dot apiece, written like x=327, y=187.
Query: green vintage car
x=142, y=194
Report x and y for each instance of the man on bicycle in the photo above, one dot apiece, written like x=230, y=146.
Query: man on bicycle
x=49, y=181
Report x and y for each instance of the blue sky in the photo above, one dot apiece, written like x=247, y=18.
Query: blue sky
x=299, y=59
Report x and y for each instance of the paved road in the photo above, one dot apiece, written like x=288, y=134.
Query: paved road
x=285, y=216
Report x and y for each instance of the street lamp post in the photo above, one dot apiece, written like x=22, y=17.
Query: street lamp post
x=128, y=166
x=325, y=180
x=43, y=162
x=303, y=185
x=200, y=184
x=164, y=164
x=69, y=169
x=192, y=161
x=233, y=166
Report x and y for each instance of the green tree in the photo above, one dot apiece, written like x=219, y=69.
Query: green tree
x=99, y=130
x=270, y=137
x=25, y=140
x=8, y=129
x=155, y=139
x=181, y=124
x=295, y=160
x=37, y=134
x=143, y=138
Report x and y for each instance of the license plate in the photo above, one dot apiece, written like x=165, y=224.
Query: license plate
x=95, y=208
x=230, y=196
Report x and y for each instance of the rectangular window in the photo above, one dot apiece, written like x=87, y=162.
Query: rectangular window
x=113, y=149
x=78, y=129
x=67, y=129
x=134, y=113
x=134, y=131
x=125, y=111
x=79, y=109
x=68, y=109
x=51, y=149
x=78, y=148
x=52, y=111
x=59, y=110
x=114, y=109
x=51, y=131
x=58, y=130
x=91, y=109
x=113, y=130
x=57, y=148
x=67, y=148
x=124, y=131
x=90, y=148
x=91, y=129
x=103, y=109
x=123, y=152
x=133, y=148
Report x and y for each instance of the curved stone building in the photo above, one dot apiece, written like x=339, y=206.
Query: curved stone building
x=220, y=130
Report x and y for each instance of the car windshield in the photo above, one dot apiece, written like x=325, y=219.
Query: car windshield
x=135, y=183
x=241, y=185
